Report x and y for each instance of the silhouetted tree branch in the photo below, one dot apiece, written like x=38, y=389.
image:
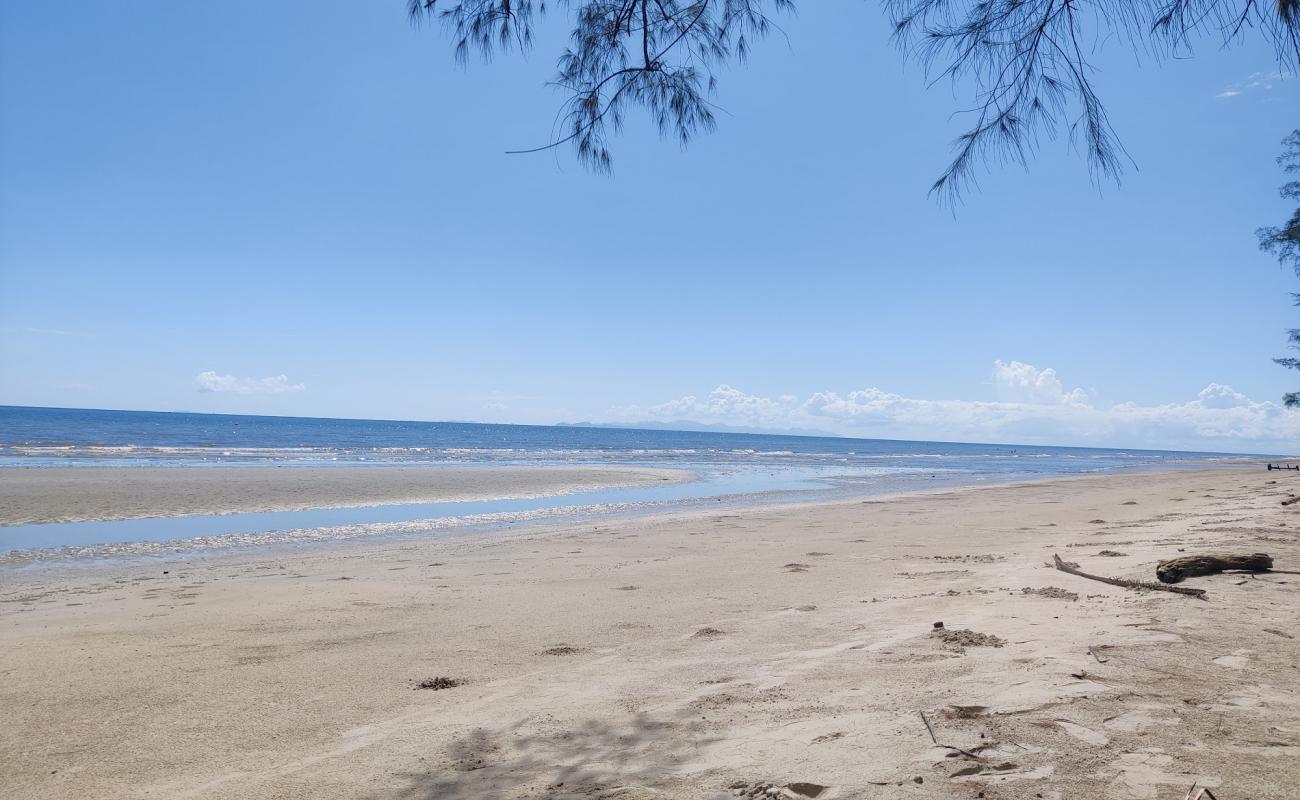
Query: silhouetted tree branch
x=1026, y=62
x=1284, y=242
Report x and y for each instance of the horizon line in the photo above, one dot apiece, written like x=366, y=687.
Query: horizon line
x=634, y=427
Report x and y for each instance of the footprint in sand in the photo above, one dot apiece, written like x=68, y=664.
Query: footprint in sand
x=1140, y=774
x=1238, y=660
x=1138, y=720
x=1083, y=734
x=708, y=633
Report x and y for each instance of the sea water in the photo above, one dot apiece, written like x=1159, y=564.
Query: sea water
x=726, y=468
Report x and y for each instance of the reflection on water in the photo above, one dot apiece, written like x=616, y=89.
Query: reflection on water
x=711, y=486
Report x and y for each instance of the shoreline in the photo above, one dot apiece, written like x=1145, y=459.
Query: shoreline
x=287, y=540
x=43, y=495
x=679, y=654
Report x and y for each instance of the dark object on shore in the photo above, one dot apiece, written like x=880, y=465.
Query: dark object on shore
x=1126, y=582
x=1272, y=467
x=1291, y=500
x=938, y=625
x=434, y=684
x=1175, y=569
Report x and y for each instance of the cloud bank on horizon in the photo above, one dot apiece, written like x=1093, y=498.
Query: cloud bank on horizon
x=1033, y=406
x=211, y=382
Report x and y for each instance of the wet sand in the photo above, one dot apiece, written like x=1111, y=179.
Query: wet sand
x=685, y=655
x=76, y=494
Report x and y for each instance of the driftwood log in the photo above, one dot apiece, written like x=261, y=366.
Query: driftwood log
x=1290, y=501
x=1175, y=569
x=1127, y=582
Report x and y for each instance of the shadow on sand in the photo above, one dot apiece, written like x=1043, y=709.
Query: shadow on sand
x=546, y=758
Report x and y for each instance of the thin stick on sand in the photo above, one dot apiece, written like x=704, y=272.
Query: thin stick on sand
x=937, y=743
x=1126, y=582
x=1204, y=792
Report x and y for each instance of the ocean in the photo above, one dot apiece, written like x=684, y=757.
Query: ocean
x=729, y=468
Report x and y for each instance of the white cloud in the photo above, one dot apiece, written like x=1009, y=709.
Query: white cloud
x=210, y=381
x=1255, y=82
x=725, y=402
x=1029, y=384
x=1034, y=406
x=497, y=400
x=59, y=332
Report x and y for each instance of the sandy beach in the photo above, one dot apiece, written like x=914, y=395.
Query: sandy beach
x=37, y=495
x=685, y=655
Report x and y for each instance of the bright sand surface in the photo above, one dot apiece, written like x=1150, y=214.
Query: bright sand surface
x=674, y=655
x=36, y=495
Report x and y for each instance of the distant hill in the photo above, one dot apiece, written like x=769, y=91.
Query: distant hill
x=696, y=427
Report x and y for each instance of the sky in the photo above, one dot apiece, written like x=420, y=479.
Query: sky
x=247, y=207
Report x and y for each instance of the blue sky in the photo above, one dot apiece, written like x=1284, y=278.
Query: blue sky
x=249, y=208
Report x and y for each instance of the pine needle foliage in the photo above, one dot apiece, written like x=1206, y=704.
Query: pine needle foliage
x=1284, y=242
x=1027, y=65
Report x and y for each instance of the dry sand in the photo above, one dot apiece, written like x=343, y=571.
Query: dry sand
x=679, y=656
x=35, y=495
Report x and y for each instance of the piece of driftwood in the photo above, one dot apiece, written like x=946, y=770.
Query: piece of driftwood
x=1126, y=582
x=1175, y=569
x=1291, y=500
